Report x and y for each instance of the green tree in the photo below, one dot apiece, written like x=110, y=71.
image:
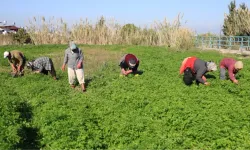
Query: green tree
x=129, y=34
x=229, y=27
x=129, y=29
x=237, y=23
x=22, y=37
x=243, y=20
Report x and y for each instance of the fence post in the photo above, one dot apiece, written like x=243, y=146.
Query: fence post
x=202, y=42
x=241, y=43
x=248, y=44
x=219, y=42
x=210, y=42
x=197, y=41
x=230, y=42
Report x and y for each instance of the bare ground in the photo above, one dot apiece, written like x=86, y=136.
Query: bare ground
x=93, y=59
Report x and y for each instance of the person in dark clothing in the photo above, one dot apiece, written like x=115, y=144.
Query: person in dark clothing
x=129, y=63
x=42, y=65
x=193, y=67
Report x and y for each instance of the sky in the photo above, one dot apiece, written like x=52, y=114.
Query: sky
x=201, y=16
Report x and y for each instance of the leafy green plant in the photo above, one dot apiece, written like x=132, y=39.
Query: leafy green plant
x=152, y=111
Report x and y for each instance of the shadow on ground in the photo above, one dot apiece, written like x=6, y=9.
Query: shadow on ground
x=210, y=76
x=29, y=135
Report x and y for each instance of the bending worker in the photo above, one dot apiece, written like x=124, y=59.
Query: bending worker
x=16, y=60
x=195, y=68
x=129, y=63
x=233, y=68
x=42, y=65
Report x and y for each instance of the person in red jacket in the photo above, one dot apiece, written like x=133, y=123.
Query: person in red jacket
x=129, y=63
x=194, y=67
x=232, y=66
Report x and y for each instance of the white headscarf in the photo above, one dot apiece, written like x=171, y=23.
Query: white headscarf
x=211, y=66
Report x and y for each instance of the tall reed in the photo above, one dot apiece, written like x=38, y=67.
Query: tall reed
x=6, y=39
x=108, y=31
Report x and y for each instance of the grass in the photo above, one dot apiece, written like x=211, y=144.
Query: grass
x=152, y=111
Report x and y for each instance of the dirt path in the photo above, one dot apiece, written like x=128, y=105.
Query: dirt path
x=242, y=54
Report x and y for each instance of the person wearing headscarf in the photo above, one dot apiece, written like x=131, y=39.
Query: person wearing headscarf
x=42, y=65
x=233, y=68
x=129, y=63
x=16, y=60
x=195, y=68
x=74, y=58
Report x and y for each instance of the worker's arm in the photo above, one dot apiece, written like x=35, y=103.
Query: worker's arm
x=231, y=74
x=204, y=78
x=14, y=69
x=79, y=65
x=199, y=75
x=20, y=57
x=65, y=61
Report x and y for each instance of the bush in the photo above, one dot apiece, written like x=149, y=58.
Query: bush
x=22, y=37
x=129, y=29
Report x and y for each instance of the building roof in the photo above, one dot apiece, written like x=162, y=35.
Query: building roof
x=10, y=27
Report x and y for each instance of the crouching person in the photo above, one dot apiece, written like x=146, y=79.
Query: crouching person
x=129, y=63
x=233, y=68
x=17, y=62
x=42, y=65
x=194, y=68
x=74, y=58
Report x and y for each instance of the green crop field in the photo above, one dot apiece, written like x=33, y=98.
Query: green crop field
x=152, y=111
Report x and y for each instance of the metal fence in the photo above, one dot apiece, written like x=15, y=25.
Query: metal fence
x=223, y=42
